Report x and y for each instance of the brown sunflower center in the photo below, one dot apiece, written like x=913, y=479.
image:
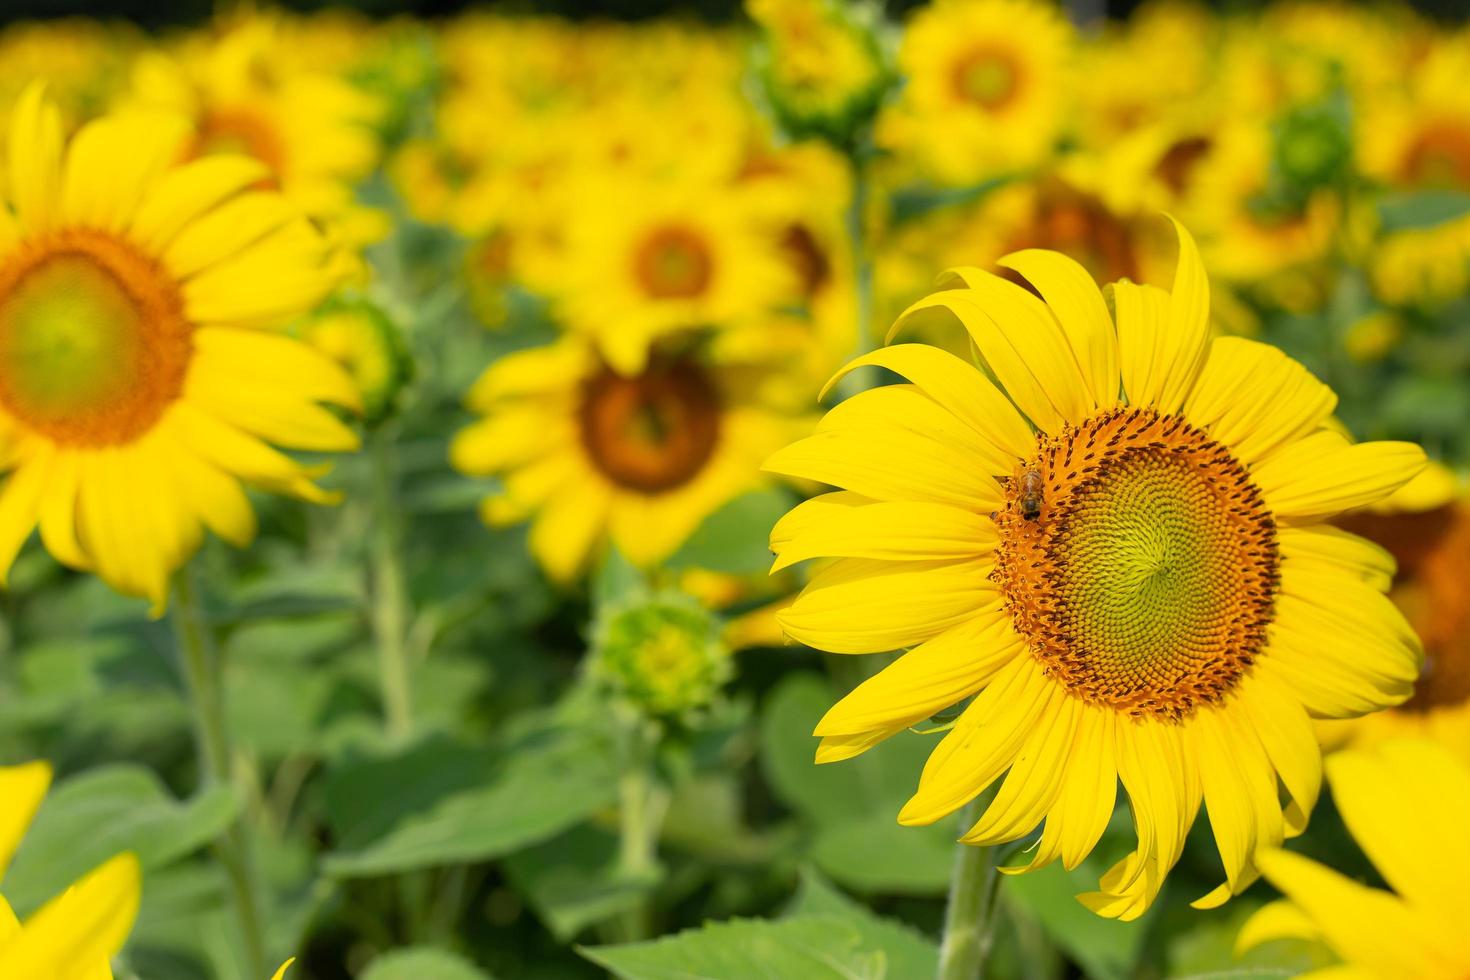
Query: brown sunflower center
x=232, y=130
x=1439, y=156
x=1433, y=553
x=674, y=263
x=1146, y=577
x=807, y=258
x=986, y=76
x=655, y=431
x=94, y=344
x=1080, y=225
x=1176, y=166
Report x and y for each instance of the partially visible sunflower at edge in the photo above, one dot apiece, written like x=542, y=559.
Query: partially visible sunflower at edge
x=592, y=455
x=141, y=381
x=1417, y=930
x=74, y=935
x=1426, y=528
x=1117, y=549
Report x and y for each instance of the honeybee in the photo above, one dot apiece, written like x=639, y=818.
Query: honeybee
x=1029, y=499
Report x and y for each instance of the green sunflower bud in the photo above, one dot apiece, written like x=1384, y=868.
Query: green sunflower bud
x=361, y=337
x=663, y=653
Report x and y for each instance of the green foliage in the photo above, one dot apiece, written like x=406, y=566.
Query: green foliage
x=90, y=817
x=421, y=963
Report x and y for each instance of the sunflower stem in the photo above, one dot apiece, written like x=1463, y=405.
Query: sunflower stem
x=390, y=610
x=200, y=663
x=641, y=806
x=969, y=918
x=862, y=263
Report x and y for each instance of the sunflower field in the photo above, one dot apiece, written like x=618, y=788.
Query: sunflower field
x=807, y=491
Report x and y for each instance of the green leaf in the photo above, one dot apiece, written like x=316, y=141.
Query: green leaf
x=572, y=881
x=422, y=963
x=1106, y=949
x=443, y=802
x=735, y=539
x=1422, y=209
x=93, y=816
x=909, y=953
x=808, y=947
x=853, y=805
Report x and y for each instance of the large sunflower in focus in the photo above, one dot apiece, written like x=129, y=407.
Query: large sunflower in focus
x=592, y=455
x=1117, y=550
x=137, y=389
x=986, y=87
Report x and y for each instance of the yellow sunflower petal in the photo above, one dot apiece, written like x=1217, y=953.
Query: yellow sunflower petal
x=903, y=603
x=1034, y=781
x=934, y=675
x=1186, y=344
x=84, y=927
x=214, y=496
x=1078, y=306
x=111, y=165
x=1143, y=325
x=281, y=973
x=35, y=158
x=225, y=231
x=185, y=193
x=1324, y=546
x=1275, y=920
x=1255, y=399
x=984, y=742
x=276, y=362
x=1409, y=784
x=892, y=466
x=20, y=501
x=892, y=530
x=567, y=529
x=1239, y=791
x=1313, y=479
x=961, y=389
x=58, y=511
x=22, y=788
x=1286, y=733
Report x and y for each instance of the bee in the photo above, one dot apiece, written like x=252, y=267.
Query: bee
x=1029, y=499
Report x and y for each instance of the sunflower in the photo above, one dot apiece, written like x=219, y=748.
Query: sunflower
x=312, y=130
x=1415, y=932
x=1429, y=540
x=73, y=936
x=645, y=259
x=1132, y=585
x=137, y=386
x=639, y=459
x=986, y=87
x=1419, y=140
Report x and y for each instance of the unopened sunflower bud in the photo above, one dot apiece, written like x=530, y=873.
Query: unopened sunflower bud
x=364, y=339
x=663, y=653
x=822, y=65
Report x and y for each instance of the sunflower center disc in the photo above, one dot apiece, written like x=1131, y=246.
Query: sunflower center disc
x=986, y=77
x=93, y=341
x=674, y=263
x=655, y=431
x=1148, y=578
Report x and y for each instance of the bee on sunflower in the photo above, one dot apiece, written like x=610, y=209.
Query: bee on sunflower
x=1169, y=609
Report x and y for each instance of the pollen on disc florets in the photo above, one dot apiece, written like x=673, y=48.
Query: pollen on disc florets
x=1147, y=580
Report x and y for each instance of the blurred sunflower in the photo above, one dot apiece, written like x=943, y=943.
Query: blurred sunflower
x=312, y=130
x=645, y=259
x=640, y=459
x=986, y=87
x=136, y=388
x=1416, y=931
x=1130, y=585
x=1419, y=139
x=75, y=935
x=1425, y=529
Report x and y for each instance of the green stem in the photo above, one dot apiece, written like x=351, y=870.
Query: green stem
x=862, y=263
x=390, y=612
x=641, y=806
x=969, y=919
x=200, y=664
